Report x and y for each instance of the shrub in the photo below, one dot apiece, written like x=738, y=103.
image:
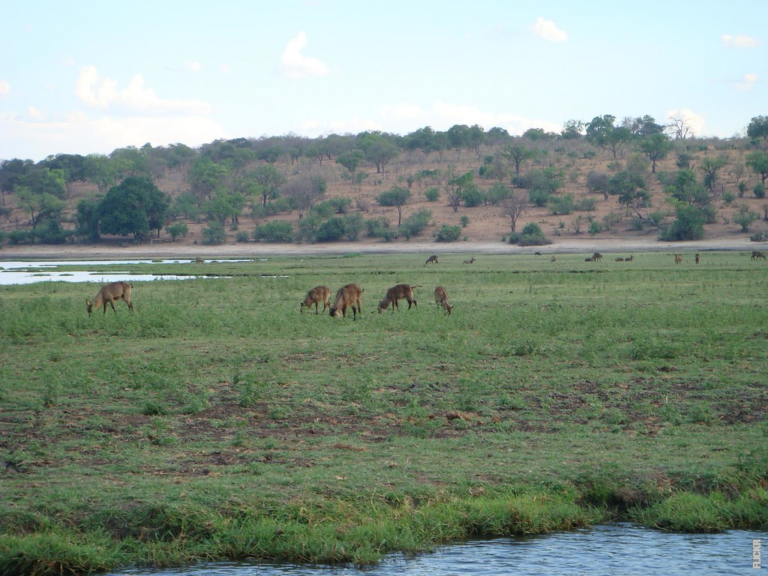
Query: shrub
x=353, y=225
x=761, y=236
x=538, y=197
x=464, y=221
x=376, y=226
x=595, y=228
x=744, y=217
x=728, y=198
x=689, y=225
x=449, y=233
x=341, y=205
x=585, y=205
x=497, y=193
x=331, y=230
x=242, y=236
x=432, y=194
x=759, y=190
x=473, y=197
x=742, y=189
x=532, y=235
x=324, y=209
x=275, y=231
x=49, y=231
x=415, y=223
x=214, y=234
x=177, y=229
x=18, y=237
x=561, y=204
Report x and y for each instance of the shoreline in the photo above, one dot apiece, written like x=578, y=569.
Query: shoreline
x=180, y=250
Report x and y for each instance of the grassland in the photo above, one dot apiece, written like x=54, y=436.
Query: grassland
x=218, y=422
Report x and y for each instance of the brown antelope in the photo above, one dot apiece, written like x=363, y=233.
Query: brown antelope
x=697, y=257
x=315, y=296
x=199, y=260
x=472, y=261
x=431, y=260
x=678, y=258
x=398, y=293
x=757, y=255
x=590, y=259
x=553, y=259
x=347, y=296
x=441, y=299
x=597, y=257
x=630, y=258
x=619, y=259
x=108, y=294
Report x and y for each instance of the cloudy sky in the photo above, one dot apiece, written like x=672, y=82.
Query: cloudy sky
x=84, y=77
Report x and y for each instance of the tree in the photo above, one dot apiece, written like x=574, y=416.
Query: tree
x=268, y=180
x=685, y=189
x=459, y=137
x=572, y=130
x=40, y=206
x=517, y=154
x=631, y=190
x=396, y=197
x=688, y=225
x=679, y=127
x=45, y=181
x=456, y=186
x=744, y=217
x=11, y=173
x=87, y=219
x=758, y=162
x=205, y=177
x=597, y=182
x=380, y=153
x=656, y=147
x=513, y=207
x=135, y=206
x=422, y=139
x=602, y=133
x=304, y=192
x=710, y=167
x=758, y=128
x=224, y=205
x=351, y=161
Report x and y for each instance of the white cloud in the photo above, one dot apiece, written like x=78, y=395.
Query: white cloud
x=695, y=122
x=5, y=89
x=294, y=64
x=225, y=70
x=739, y=41
x=35, y=114
x=194, y=66
x=403, y=110
x=747, y=83
x=548, y=30
x=103, y=93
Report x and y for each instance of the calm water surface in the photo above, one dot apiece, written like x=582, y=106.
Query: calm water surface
x=619, y=549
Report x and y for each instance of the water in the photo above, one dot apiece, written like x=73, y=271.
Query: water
x=618, y=549
x=17, y=272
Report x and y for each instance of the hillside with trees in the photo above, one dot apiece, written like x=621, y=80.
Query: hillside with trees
x=604, y=178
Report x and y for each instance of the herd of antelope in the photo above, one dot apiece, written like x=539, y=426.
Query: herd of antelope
x=349, y=296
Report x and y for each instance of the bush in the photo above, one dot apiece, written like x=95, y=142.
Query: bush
x=532, y=236
x=464, y=221
x=177, y=229
x=49, y=231
x=331, y=230
x=18, y=237
x=214, y=234
x=376, y=227
x=689, y=225
x=561, y=204
x=728, y=198
x=415, y=223
x=277, y=206
x=275, y=231
x=432, y=194
x=324, y=209
x=761, y=236
x=353, y=225
x=538, y=197
x=341, y=205
x=449, y=233
x=585, y=205
x=744, y=217
x=759, y=190
x=497, y=193
x=473, y=197
x=242, y=236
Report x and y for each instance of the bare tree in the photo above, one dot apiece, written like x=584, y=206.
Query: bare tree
x=679, y=128
x=304, y=192
x=513, y=207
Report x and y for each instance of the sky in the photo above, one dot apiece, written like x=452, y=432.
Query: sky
x=86, y=77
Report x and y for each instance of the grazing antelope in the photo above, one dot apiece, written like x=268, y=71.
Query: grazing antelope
x=347, y=296
x=678, y=258
x=199, y=260
x=597, y=257
x=630, y=258
x=472, y=261
x=315, y=296
x=397, y=293
x=553, y=259
x=619, y=259
x=537, y=253
x=441, y=299
x=697, y=257
x=757, y=255
x=108, y=294
x=431, y=260
x=590, y=259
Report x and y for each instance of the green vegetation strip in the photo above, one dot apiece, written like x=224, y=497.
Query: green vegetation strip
x=218, y=422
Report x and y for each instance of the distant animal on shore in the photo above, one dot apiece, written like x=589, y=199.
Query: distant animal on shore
x=537, y=253
x=431, y=260
x=441, y=299
x=757, y=255
x=678, y=258
x=597, y=257
x=697, y=257
x=398, y=293
x=590, y=259
x=619, y=259
x=315, y=296
x=472, y=261
x=346, y=297
x=199, y=260
x=108, y=294
x=629, y=259
x=553, y=259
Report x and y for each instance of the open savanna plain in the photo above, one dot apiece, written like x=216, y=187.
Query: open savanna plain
x=216, y=421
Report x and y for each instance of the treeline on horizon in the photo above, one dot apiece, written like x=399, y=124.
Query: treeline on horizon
x=280, y=174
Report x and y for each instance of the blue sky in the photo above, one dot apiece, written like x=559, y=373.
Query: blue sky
x=85, y=77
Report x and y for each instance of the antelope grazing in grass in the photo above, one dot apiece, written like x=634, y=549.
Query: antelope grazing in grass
x=108, y=294
x=757, y=255
x=619, y=259
x=431, y=260
x=347, y=296
x=629, y=259
x=590, y=259
x=398, y=293
x=678, y=258
x=553, y=259
x=441, y=299
x=597, y=257
x=472, y=261
x=315, y=296
x=199, y=260
x=697, y=257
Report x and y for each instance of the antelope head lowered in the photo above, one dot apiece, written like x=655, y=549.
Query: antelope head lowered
x=108, y=294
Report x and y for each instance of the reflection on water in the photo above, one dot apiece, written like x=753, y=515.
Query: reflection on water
x=620, y=549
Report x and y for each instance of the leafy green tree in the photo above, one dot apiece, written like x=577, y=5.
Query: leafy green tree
x=206, y=177
x=758, y=128
x=225, y=205
x=397, y=197
x=267, y=180
x=688, y=225
x=270, y=155
x=351, y=161
x=214, y=234
x=531, y=235
x=11, y=174
x=46, y=181
x=448, y=233
x=631, y=190
x=710, y=167
x=758, y=162
x=415, y=223
x=744, y=217
x=572, y=130
x=656, y=147
x=685, y=189
x=602, y=133
x=517, y=154
x=456, y=186
x=380, y=153
x=39, y=206
x=459, y=137
x=87, y=219
x=421, y=139
x=135, y=206
x=177, y=229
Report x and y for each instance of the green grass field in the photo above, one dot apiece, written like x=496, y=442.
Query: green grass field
x=217, y=421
